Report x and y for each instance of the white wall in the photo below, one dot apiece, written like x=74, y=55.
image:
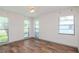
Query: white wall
x=49, y=28
x=77, y=26
x=16, y=26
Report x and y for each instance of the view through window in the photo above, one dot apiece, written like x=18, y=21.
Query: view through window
x=36, y=28
x=3, y=29
x=26, y=28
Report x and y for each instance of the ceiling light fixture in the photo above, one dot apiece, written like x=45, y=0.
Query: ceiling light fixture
x=31, y=9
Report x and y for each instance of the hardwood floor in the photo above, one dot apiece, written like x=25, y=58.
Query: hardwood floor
x=36, y=46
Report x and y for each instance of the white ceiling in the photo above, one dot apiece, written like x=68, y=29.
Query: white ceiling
x=39, y=10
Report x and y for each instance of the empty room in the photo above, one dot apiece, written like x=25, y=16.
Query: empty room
x=39, y=29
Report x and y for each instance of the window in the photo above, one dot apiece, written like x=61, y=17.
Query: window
x=66, y=25
x=26, y=28
x=37, y=28
x=3, y=29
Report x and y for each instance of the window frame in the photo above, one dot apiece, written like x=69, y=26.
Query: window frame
x=73, y=26
x=37, y=36
x=27, y=28
x=6, y=29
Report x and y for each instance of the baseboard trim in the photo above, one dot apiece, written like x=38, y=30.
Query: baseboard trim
x=76, y=49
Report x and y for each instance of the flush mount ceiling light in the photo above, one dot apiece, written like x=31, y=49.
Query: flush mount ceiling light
x=31, y=9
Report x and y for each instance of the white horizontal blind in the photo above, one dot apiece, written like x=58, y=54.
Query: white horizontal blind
x=3, y=29
x=66, y=25
x=36, y=28
x=26, y=28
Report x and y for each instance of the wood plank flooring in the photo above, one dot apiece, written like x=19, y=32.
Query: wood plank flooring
x=35, y=46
